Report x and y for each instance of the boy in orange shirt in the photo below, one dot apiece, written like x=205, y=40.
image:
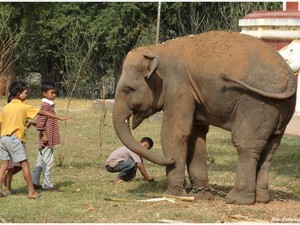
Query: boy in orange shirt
x=13, y=168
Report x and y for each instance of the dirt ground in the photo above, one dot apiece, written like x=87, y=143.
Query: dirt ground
x=274, y=212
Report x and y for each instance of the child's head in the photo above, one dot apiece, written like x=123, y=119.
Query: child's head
x=147, y=142
x=48, y=90
x=18, y=90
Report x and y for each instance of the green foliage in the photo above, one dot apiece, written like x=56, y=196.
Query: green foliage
x=117, y=26
x=296, y=190
x=5, y=14
x=10, y=35
x=182, y=18
x=9, y=18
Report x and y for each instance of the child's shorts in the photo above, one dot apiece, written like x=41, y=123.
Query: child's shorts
x=11, y=148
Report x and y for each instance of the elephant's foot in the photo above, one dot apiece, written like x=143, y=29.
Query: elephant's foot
x=179, y=192
x=202, y=195
x=240, y=198
x=262, y=196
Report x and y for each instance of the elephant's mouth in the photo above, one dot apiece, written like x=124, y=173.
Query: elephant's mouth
x=138, y=117
x=136, y=120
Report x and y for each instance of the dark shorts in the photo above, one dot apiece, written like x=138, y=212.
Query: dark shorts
x=126, y=168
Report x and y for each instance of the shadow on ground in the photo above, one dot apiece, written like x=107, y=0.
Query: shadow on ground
x=157, y=189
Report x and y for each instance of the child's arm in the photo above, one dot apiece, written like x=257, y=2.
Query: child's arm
x=48, y=114
x=29, y=123
x=143, y=171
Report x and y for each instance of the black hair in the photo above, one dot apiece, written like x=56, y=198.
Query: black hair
x=46, y=86
x=9, y=98
x=17, y=87
x=147, y=139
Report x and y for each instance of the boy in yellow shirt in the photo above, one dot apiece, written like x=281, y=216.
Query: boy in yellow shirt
x=12, y=122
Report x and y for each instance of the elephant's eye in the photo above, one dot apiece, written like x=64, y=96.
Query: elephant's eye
x=128, y=90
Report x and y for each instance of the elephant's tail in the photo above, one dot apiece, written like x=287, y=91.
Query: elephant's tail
x=290, y=91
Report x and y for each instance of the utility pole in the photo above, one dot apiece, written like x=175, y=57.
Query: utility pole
x=158, y=22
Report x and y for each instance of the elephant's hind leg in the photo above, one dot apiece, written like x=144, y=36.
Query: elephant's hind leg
x=263, y=167
x=249, y=150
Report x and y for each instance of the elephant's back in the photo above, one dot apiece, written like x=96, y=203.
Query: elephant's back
x=220, y=52
x=237, y=55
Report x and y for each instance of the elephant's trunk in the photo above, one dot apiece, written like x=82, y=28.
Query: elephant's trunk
x=122, y=128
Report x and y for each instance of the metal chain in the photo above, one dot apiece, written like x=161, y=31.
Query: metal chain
x=195, y=190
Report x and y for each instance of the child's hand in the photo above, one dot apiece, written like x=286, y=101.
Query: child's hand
x=45, y=140
x=29, y=123
x=150, y=179
x=64, y=118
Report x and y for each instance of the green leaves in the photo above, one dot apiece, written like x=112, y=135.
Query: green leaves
x=114, y=29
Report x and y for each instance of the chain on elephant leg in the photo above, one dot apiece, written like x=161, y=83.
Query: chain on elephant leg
x=204, y=193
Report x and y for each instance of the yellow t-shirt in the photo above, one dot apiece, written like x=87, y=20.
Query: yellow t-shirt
x=14, y=116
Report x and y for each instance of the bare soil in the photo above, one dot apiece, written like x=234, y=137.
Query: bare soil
x=275, y=211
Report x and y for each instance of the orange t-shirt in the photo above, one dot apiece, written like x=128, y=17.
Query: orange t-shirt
x=14, y=116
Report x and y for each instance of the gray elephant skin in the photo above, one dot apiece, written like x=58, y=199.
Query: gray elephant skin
x=225, y=79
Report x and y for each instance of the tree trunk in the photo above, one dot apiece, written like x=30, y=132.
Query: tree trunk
x=49, y=72
x=7, y=75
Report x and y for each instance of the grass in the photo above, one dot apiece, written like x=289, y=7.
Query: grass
x=85, y=184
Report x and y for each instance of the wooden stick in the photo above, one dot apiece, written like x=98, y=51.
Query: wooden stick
x=189, y=199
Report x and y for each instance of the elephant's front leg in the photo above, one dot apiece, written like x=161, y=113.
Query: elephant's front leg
x=197, y=163
x=176, y=129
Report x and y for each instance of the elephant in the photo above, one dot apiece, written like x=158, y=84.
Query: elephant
x=219, y=78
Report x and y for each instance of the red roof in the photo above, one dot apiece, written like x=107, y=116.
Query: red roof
x=273, y=14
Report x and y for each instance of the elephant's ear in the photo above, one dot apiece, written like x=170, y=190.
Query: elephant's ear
x=154, y=63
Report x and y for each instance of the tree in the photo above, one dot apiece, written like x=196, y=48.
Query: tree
x=182, y=18
x=118, y=24
x=9, y=38
x=119, y=27
x=75, y=54
x=45, y=24
x=123, y=25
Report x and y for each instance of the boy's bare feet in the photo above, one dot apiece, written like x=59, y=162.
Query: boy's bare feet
x=34, y=196
x=11, y=192
x=118, y=180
